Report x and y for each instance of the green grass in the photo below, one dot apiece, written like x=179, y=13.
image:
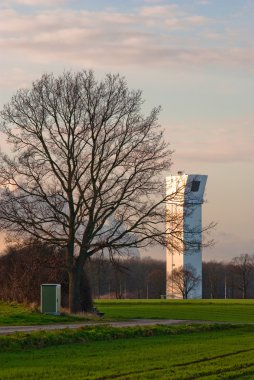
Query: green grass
x=241, y=311
x=43, y=338
x=17, y=314
x=211, y=352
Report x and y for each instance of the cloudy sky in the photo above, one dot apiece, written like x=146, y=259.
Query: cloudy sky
x=193, y=57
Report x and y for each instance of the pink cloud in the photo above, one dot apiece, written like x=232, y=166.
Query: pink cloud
x=197, y=20
x=159, y=10
x=68, y=37
x=33, y=3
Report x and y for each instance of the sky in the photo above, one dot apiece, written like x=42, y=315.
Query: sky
x=195, y=58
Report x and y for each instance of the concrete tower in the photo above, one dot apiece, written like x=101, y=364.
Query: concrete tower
x=184, y=209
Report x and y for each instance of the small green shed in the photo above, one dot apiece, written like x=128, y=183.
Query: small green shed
x=50, y=298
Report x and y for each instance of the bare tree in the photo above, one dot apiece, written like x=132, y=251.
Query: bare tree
x=214, y=277
x=184, y=280
x=85, y=172
x=155, y=283
x=243, y=267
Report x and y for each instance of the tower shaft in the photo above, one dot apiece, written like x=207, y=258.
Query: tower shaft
x=184, y=221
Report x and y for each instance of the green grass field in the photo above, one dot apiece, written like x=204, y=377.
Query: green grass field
x=222, y=353
x=208, y=351
x=241, y=311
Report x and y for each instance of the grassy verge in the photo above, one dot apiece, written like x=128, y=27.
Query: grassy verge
x=190, y=352
x=42, y=339
x=241, y=311
x=17, y=314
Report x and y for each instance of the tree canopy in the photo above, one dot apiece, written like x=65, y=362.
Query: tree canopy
x=85, y=171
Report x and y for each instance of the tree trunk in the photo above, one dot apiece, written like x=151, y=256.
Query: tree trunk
x=85, y=292
x=74, y=291
x=244, y=291
x=80, y=298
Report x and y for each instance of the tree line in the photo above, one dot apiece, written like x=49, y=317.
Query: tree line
x=23, y=269
x=229, y=280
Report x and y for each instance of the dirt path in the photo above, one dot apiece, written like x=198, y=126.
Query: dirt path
x=4, y=330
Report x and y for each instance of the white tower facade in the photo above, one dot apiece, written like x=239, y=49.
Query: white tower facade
x=184, y=209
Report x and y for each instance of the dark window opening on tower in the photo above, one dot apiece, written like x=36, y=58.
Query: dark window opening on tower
x=195, y=186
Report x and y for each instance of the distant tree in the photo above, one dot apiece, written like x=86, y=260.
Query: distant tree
x=156, y=283
x=184, y=280
x=128, y=277
x=85, y=172
x=243, y=268
x=213, y=279
x=24, y=268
